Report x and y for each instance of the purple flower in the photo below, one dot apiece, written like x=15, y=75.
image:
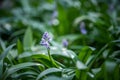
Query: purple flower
x=45, y=41
x=54, y=21
x=111, y=7
x=65, y=43
x=82, y=28
x=46, y=37
x=55, y=14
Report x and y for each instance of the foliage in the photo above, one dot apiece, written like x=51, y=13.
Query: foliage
x=90, y=30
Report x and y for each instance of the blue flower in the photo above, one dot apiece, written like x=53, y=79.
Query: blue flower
x=111, y=8
x=65, y=43
x=55, y=14
x=82, y=28
x=45, y=41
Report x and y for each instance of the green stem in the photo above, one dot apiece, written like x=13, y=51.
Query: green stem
x=50, y=57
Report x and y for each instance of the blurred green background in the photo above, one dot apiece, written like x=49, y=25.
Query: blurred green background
x=91, y=27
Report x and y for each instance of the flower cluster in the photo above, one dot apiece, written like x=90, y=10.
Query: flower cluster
x=111, y=8
x=82, y=28
x=45, y=41
x=65, y=43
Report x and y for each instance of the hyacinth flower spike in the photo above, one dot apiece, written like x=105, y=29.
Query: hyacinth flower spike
x=82, y=28
x=64, y=43
x=45, y=41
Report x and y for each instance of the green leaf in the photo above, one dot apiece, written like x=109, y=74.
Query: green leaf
x=25, y=74
x=91, y=16
x=81, y=73
x=4, y=54
x=53, y=78
x=50, y=1
x=1, y=68
x=32, y=54
x=18, y=67
x=79, y=19
x=19, y=47
x=53, y=51
x=85, y=53
x=62, y=16
x=96, y=70
x=80, y=65
x=105, y=53
x=48, y=71
x=109, y=68
x=28, y=39
x=2, y=44
x=98, y=54
x=42, y=58
x=70, y=37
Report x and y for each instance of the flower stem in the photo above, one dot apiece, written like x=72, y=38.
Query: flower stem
x=50, y=57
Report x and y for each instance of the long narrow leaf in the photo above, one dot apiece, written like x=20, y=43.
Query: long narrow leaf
x=1, y=67
x=48, y=71
x=27, y=40
x=4, y=54
x=18, y=67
